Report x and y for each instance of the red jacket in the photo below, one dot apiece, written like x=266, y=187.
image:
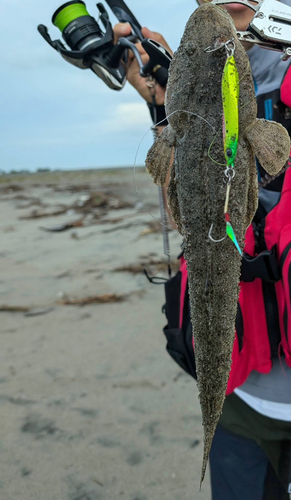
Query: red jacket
x=263, y=323
x=262, y=327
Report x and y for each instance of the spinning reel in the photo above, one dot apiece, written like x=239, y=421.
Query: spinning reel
x=92, y=47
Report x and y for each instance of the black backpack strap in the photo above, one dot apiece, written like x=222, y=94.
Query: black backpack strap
x=264, y=266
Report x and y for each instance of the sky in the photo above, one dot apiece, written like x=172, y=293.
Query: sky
x=54, y=115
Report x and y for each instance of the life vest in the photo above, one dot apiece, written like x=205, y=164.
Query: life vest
x=263, y=322
x=285, y=90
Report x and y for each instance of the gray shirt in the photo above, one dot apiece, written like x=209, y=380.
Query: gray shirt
x=275, y=386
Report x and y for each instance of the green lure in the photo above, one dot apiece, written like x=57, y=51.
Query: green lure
x=230, y=100
x=231, y=235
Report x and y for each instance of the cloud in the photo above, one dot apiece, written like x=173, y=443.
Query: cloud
x=87, y=130
x=51, y=110
x=128, y=117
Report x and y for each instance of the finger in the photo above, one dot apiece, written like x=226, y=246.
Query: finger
x=133, y=66
x=120, y=30
x=141, y=51
x=157, y=37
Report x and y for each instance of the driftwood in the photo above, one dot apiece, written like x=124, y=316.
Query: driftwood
x=14, y=309
x=97, y=299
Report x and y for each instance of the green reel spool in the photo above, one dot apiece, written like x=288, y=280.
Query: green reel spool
x=68, y=13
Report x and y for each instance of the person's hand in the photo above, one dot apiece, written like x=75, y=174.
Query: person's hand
x=133, y=76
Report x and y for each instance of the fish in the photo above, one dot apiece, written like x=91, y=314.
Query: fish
x=199, y=188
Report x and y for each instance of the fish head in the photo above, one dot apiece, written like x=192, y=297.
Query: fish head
x=195, y=75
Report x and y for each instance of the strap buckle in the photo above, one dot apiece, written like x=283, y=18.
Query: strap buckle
x=264, y=266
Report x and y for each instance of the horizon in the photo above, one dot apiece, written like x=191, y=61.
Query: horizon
x=47, y=170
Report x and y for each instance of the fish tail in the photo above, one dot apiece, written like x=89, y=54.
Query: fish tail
x=209, y=431
x=203, y=471
x=207, y=447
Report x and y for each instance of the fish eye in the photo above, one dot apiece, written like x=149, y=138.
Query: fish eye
x=229, y=153
x=190, y=48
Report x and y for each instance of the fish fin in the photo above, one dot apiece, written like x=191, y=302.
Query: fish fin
x=159, y=157
x=173, y=201
x=270, y=143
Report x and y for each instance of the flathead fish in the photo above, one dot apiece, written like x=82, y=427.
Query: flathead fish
x=198, y=185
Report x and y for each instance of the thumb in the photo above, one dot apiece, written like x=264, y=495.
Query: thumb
x=148, y=33
x=121, y=30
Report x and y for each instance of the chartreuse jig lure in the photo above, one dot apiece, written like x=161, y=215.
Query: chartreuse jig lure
x=230, y=101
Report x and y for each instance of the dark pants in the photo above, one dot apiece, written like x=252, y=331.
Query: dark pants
x=239, y=470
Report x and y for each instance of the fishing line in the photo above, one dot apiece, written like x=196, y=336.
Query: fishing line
x=29, y=11
x=151, y=83
x=138, y=149
x=210, y=147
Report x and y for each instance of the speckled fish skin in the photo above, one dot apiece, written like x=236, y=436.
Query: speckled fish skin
x=197, y=190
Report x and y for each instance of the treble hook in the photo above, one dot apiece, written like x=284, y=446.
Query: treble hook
x=212, y=239
x=229, y=47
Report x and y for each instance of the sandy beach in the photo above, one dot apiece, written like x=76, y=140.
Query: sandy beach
x=91, y=405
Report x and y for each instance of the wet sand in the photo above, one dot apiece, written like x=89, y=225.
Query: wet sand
x=91, y=405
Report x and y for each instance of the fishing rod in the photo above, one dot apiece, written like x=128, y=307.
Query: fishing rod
x=88, y=46
x=91, y=46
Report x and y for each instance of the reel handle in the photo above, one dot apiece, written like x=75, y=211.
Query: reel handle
x=42, y=29
x=159, y=62
x=124, y=15
x=160, y=58
x=156, y=66
x=161, y=75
